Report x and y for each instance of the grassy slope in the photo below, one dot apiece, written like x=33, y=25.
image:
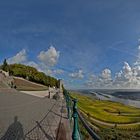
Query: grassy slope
x=23, y=84
x=108, y=111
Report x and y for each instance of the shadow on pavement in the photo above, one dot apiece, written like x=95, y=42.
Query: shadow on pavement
x=14, y=131
x=59, y=115
x=61, y=132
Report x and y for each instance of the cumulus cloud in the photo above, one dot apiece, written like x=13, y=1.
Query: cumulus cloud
x=20, y=57
x=126, y=73
x=123, y=78
x=137, y=63
x=43, y=68
x=58, y=71
x=77, y=75
x=106, y=78
x=49, y=57
x=127, y=77
x=47, y=60
x=106, y=74
x=92, y=81
x=102, y=80
x=35, y=65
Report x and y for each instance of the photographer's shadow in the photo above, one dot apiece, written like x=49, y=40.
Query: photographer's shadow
x=14, y=131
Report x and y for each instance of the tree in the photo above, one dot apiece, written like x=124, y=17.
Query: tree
x=5, y=66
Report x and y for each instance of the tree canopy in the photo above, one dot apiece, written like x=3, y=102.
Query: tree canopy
x=30, y=73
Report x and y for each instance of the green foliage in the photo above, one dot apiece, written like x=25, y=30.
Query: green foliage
x=114, y=134
x=30, y=74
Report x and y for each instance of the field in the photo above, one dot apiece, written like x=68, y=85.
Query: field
x=109, y=114
x=22, y=84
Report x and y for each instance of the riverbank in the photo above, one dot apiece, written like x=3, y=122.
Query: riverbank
x=107, y=97
x=124, y=97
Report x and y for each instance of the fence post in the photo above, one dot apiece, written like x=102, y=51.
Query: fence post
x=75, y=133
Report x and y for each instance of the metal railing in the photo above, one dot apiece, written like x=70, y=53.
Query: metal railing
x=77, y=121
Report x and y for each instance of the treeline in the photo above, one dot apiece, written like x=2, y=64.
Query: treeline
x=30, y=73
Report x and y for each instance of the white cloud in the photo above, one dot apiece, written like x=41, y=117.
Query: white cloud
x=123, y=78
x=77, y=75
x=35, y=65
x=92, y=81
x=127, y=77
x=104, y=80
x=43, y=68
x=20, y=57
x=49, y=57
x=127, y=71
x=58, y=71
x=138, y=58
x=40, y=67
x=106, y=74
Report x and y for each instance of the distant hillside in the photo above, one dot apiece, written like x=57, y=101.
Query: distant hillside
x=30, y=73
x=22, y=84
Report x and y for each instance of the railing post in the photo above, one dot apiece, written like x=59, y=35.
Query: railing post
x=75, y=133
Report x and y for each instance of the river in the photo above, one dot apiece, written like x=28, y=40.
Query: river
x=129, y=102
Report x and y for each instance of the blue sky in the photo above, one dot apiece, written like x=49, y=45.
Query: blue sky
x=88, y=36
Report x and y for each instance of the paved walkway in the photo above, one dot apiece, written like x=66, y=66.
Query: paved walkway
x=40, y=94
x=43, y=93
x=34, y=117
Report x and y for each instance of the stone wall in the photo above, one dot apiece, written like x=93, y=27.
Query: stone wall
x=5, y=80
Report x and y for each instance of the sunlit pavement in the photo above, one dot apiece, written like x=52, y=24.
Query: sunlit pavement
x=27, y=109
